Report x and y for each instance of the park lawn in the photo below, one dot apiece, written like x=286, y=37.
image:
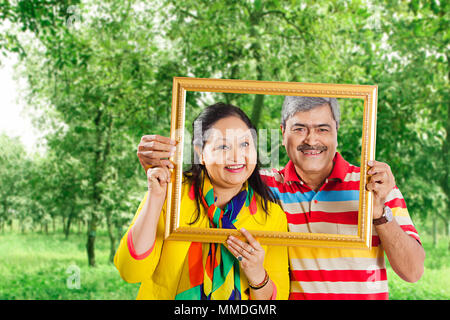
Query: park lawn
x=38, y=266
x=435, y=282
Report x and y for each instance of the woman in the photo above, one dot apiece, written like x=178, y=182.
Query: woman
x=222, y=189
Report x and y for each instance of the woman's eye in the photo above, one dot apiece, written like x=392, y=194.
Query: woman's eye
x=223, y=147
x=245, y=144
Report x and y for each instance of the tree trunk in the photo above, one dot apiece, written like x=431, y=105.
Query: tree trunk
x=112, y=239
x=64, y=224
x=91, y=234
x=99, y=165
x=69, y=222
x=255, y=48
x=434, y=231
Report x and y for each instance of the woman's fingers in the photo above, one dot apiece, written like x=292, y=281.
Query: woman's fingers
x=251, y=251
x=238, y=251
x=251, y=240
x=160, y=175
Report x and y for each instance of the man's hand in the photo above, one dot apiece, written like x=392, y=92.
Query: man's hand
x=154, y=150
x=381, y=184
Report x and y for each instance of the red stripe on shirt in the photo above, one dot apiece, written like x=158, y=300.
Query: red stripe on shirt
x=339, y=275
x=338, y=296
x=396, y=203
x=341, y=186
x=349, y=217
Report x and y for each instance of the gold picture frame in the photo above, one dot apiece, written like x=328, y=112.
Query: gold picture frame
x=368, y=93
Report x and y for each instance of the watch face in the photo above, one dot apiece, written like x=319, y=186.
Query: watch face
x=388, y=214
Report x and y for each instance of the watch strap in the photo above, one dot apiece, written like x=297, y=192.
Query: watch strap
x=379, y=221
x=385, y=218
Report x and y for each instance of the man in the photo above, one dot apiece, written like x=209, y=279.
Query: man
x=319, y=191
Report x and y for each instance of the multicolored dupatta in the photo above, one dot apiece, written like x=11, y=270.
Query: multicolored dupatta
x=210, y=271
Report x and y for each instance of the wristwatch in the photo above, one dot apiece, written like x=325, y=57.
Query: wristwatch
x=385, y=218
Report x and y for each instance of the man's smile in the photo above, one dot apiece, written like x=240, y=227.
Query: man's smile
x=310, y=151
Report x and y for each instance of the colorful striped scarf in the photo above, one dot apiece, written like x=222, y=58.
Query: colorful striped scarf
x=210, y=271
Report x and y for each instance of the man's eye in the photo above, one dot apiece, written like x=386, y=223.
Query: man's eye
x=223, y=147
x=245, y=144
x=323, y=130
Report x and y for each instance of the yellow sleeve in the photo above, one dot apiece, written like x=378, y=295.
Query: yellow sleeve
x=135, y=270
x=276, y=261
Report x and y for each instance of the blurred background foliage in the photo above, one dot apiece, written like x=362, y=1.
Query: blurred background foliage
x=100, y=76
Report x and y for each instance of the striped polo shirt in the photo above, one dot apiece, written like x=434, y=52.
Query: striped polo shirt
x=330, y=273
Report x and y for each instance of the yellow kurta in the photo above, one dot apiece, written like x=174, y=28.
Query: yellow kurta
x=159, y=273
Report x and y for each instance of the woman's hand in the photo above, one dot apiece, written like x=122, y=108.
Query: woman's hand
x=157, y=179
x=251, y=256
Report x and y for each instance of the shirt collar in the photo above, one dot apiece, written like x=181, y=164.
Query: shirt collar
x=339, y=171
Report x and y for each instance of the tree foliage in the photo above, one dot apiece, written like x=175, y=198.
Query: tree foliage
x=100, y=77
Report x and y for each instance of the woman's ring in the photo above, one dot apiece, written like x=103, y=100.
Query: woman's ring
x=239, y=258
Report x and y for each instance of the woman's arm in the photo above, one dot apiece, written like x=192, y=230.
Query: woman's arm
x=139, y=250
x=144, y=229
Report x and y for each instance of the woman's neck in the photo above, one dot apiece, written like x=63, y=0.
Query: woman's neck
x=225, y=194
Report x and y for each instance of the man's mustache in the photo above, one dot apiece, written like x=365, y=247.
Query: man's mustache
x=307, y=147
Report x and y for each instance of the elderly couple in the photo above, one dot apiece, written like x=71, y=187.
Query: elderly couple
x=317, y=191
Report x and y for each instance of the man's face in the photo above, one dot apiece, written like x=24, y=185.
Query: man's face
x=310, y=139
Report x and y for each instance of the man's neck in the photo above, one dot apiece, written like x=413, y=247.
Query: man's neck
x=314, y=180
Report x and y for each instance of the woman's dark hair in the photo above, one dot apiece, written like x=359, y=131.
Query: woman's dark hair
x=200, y=126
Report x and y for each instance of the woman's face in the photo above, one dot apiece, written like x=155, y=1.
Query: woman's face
x=229, y=153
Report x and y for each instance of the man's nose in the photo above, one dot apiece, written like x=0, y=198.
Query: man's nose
x=310, y=137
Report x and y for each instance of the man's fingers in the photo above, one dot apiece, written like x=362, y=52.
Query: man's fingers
x=167, y=163
x=156, y=146
x=377, y=166
x=374, y=187
x=150, y=163
x=379, y=177
x=154, y=154
x=156, y=137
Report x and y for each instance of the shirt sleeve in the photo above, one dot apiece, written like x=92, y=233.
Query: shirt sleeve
x=135, y=268
x=276, y=261
x=397, y=203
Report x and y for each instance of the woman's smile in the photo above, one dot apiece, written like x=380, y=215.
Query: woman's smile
x=237, y=168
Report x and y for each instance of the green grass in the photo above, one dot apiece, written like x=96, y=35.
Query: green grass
x=435, y=282
x=36, y=266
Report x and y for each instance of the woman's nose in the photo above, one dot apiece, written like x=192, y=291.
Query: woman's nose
x=235, y=155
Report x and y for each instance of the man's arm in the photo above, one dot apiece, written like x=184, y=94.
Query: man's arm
x=404, y=253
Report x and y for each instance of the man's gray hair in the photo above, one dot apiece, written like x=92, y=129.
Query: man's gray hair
x=294, y=104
